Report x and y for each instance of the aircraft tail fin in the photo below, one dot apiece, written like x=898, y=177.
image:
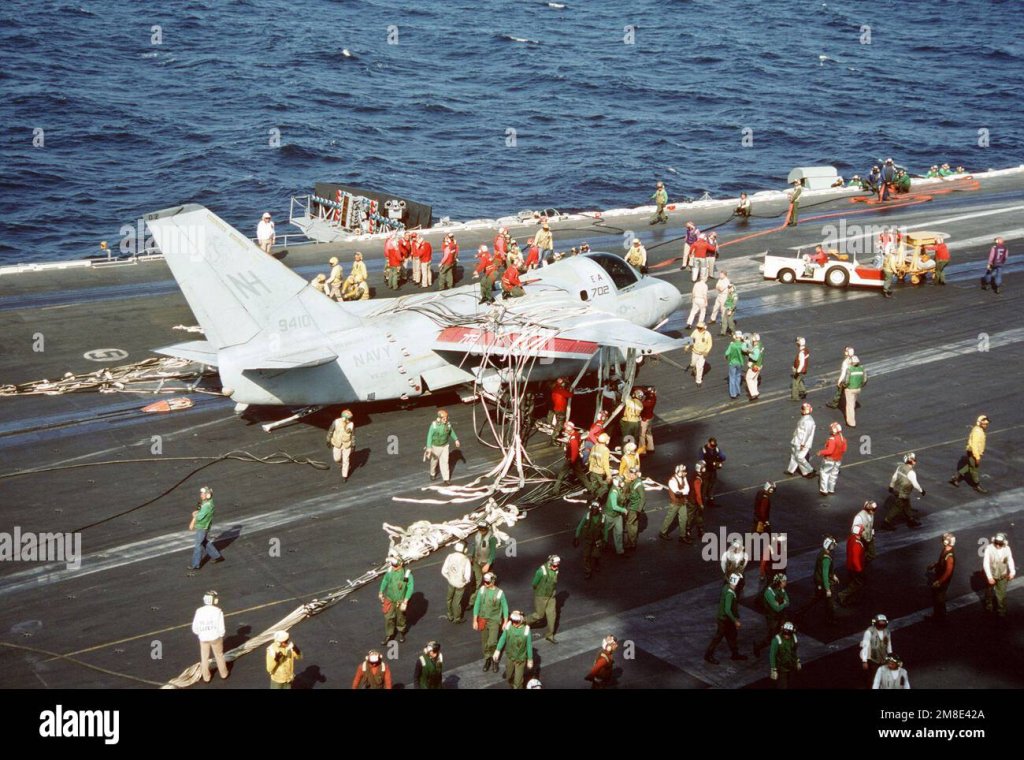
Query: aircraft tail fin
x=235, y=289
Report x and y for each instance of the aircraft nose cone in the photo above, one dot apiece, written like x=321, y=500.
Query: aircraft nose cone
x=671, y=298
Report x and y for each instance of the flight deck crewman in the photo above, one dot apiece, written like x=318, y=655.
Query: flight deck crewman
x=342, y=438
x=265, y=233
x=355, y=288
x=449, y=257
x=637, y=255
x=336, y=279
x=359, y=266
x=545, y=587
x=511, y=285
x=487, y=271
x=395, y=589
x=971, y=460
x=392, y=262
x=544, y=240
x=517, y=642
x=794, y=202
x=660, y=198
x=281, y=657
x=439, y=436
x=490, y=611
x=743, y=209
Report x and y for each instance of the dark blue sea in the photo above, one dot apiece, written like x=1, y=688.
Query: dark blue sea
x=135, y=118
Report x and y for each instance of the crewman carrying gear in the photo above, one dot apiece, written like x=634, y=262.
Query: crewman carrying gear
x=395, y=589
x=490, y=611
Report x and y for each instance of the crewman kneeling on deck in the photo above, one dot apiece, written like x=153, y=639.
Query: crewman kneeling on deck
x=320, y=283
x=355, y=289
x=902, y=182
x=743, y=209
x=511, y=285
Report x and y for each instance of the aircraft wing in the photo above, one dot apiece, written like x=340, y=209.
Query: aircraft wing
x=199, y=351
x=579, y=339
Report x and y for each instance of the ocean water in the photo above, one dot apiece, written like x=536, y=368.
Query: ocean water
x=479, y=108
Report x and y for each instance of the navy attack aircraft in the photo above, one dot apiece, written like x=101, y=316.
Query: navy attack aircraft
x=275, y=340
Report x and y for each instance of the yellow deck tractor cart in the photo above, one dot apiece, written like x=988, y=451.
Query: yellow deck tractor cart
x=915, y=258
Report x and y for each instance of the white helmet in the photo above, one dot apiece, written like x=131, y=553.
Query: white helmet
x=680, y=470
x=801, y=342
x=734, y=579
x=211, y=597
x=835, y=427
x=460, y=547
x=829, y=543
x=699, y=467
x=806, y=408
x=769, y=487
x=629, y=448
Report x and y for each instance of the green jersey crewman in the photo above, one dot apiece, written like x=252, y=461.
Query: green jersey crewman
x=614, y=511
x=429, y=672
x=660, y=198
x=590, y=531
x=776, y=601
x=489, y=614
x=783, y=657
x=728, y=619
x=517, y=644
x=485, y=549
x=395, y=589
x=439, y=436
x=545, y=586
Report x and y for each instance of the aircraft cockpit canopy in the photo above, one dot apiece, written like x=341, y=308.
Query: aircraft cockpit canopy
x=621, y=273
